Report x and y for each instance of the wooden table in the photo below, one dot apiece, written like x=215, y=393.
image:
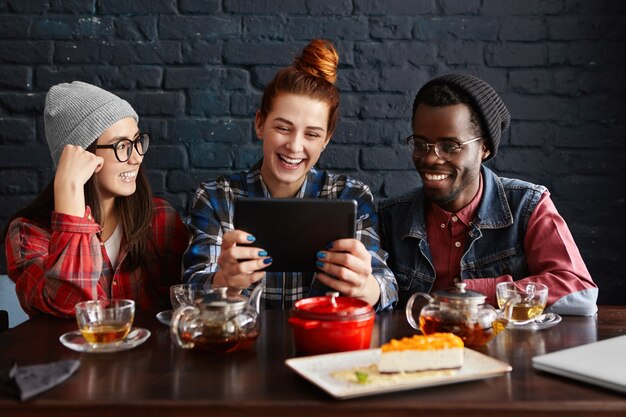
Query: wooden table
x=158, y=378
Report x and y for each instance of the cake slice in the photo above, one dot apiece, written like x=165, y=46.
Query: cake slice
x=421, y=353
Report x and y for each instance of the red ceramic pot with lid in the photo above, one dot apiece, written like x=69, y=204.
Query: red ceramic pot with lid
x=331, y=324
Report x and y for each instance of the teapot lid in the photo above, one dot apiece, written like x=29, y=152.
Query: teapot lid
x=220, y=300
x=458, y=294
x=332, y=307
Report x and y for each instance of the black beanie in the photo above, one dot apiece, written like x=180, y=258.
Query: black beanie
x=487, y=103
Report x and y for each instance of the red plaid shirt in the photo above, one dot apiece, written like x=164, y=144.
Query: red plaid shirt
x=55, y=268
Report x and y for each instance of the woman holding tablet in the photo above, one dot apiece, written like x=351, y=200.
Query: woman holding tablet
x=296, y=119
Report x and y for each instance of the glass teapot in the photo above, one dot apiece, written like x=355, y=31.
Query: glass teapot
x=459, y=311
x=218, y=321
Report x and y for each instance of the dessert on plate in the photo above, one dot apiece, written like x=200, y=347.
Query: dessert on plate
x=436, y=351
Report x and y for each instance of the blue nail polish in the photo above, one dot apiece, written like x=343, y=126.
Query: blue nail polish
x=320, y=255
x=250, y=238
x=329, y=246
x=267, y=261
x=319, y=264
x=262, y=253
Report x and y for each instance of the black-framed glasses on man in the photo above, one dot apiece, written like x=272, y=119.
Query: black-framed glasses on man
x=123, y=148
x=444, y=149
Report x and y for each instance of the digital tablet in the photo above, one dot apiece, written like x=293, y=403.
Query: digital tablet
x=293, y=230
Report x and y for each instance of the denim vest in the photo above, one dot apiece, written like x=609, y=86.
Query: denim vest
x=495, y=244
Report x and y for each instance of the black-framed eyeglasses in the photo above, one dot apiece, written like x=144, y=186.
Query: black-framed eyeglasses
x=444, y=149
x=123, y=148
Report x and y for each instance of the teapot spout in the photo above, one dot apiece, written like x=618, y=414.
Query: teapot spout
x=255, y=297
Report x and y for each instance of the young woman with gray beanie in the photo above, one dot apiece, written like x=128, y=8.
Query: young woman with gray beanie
x=96, y=231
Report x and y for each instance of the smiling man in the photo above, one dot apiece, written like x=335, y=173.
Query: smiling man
x=466, y=223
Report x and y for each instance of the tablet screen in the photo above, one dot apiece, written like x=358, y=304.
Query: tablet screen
x=293, y=230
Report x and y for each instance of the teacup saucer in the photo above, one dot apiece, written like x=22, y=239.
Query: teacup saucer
x=548, y=320
x=75, y=341
x=165, y=317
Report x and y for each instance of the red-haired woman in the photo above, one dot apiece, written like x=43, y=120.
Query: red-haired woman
x=96, y=231
x=297, y=118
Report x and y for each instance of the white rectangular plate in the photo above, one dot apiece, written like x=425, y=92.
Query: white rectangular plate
x=318, y=370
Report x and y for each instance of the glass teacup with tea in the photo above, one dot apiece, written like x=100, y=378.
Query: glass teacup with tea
x=103, y=322
x=528, y=299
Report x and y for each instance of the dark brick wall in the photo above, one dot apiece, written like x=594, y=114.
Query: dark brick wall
x=194, y=70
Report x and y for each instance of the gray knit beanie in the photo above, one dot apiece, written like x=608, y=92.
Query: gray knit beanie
x=78, y=113
x=494, y=116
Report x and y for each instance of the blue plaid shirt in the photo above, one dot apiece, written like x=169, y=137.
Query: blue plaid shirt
x=212, y=216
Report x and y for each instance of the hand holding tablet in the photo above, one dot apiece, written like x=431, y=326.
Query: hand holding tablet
x=240, y=262
x=347, y=267
x=297, y=235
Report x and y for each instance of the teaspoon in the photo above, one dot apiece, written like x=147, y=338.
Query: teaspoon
x=543, y=318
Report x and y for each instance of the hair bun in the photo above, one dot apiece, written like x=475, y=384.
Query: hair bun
x=320, y=59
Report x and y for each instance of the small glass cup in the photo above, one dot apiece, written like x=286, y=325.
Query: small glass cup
x=529, y=299
x=104, y=322
x=182, y=295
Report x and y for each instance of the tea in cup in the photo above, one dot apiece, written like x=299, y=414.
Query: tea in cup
x=528, y=300
x=105, y=321
x=185, y=294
